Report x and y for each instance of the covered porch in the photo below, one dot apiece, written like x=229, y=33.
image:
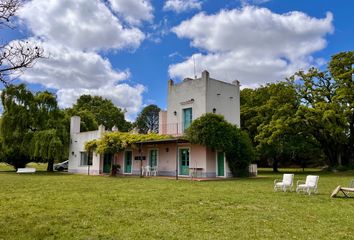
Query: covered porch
x=174, y=157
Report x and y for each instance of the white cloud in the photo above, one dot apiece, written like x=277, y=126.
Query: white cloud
x=81, y=24
x=73, y=73
x=159, y=30
x=133, y=12
x=253, y=45
x=122, y=95
x=179, y=6
x=69, y=68
x=72, y=33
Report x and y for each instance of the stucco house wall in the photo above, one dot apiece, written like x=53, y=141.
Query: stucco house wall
x=77, y=145
x=224, y=98
x=182, y=96
x=203, y=95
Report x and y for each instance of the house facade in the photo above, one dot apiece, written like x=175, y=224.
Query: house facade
x=186, y=102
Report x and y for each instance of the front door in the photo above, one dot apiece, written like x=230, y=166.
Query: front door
x=128, y=162
x=107, y=159
x=220, y=164
x=184, y=161
x=153, y=158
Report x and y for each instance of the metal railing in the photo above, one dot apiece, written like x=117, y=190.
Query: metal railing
x=174, y=129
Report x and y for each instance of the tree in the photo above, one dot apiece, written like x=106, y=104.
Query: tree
x=213, y=131
x=268, y=114
x=148, y=119
x=321, y=114
x=103, y=110
x=341, y=69
x=15, y=125
x=16, y=55
x=33, y=128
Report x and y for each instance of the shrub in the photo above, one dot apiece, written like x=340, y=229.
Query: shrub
x=213, y=131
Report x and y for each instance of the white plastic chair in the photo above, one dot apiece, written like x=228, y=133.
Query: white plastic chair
x=310, y=185
x=147, y=171
x=153, y=171
x=286, y=183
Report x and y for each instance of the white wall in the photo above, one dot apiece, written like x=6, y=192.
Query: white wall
x=77, y=145
x=207, y=94
x=179, y=98
x=225, y=98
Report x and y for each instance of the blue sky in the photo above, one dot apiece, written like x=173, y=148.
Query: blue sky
x=126, y=50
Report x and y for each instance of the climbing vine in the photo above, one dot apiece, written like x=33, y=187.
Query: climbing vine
x=113, y=142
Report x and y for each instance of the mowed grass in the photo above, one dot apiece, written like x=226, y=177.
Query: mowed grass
x=65, y=206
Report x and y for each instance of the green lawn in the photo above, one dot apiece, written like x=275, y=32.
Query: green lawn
x=64, y=206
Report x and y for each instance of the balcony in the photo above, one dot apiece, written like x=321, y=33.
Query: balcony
x=174, y=129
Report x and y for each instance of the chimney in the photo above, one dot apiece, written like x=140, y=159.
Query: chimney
x=101, y=129
x=170, y=84
x=75, y=124
x=205, y=75
x=236, y=83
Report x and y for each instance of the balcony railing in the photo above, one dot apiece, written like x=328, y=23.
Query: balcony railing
x=174, y=129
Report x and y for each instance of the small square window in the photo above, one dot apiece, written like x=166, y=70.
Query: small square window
x=86, y=158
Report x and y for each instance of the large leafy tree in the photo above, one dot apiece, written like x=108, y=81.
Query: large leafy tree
x=213, y=131
x=327, y=107
x=95, y=110
x=148, y=119
x=323, y=117
x=342, y=71
x=267, y=114
x=33, y=128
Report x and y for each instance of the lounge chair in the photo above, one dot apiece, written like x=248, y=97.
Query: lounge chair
x=344, y=190
x=286, y=183
x=310, y=185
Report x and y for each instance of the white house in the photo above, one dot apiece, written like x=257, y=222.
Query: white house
x=187, y=101
x=81, y=161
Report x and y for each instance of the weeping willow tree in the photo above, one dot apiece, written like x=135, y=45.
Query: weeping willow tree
x=49, y=145
x=32, y=128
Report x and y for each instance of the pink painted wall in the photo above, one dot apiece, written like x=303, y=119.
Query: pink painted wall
x=163, y=122
x=211, y=161
x=200, y=157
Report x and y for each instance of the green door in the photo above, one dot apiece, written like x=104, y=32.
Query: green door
x=107, y=158
x=187, y=118
x=184, y=161
x=153, y=158
x=128, y=162
x=221, y=167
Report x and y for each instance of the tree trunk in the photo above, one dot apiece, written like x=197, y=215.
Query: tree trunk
x=50, y=165
x=332, y=157
x=275, y=164
x=339, y=158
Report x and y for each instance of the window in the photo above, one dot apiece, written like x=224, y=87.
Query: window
x=187, y=118
x=86, y=158
x=153, y=158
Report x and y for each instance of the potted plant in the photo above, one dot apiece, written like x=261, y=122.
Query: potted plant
x=115, y=170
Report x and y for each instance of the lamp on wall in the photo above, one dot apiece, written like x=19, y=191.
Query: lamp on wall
x=214, y=110
x=175, y=113
x=72, y=153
